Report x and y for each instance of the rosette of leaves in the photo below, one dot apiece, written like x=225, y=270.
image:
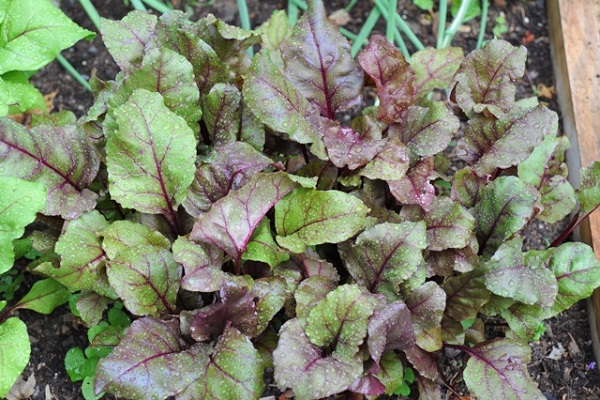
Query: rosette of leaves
x=246, y=229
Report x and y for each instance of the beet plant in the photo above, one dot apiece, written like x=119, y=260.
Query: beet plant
x=252, y=230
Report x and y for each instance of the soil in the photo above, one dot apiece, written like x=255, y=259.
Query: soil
x=562, y=361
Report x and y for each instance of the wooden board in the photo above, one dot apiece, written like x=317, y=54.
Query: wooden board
x=574, y=27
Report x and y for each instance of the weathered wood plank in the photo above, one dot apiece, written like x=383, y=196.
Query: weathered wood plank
x=575, y=43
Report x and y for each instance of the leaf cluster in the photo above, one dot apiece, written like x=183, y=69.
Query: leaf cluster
x=245, y=224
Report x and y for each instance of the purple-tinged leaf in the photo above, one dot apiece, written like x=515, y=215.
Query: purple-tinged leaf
x=91, y=306
x=498, y=370
x=497, y=304
x=505, y=206
x=236, y=309
x=146, y=278
x=393, y=76
x=589, y=190
x=546, y=170
x=428, y=389
x=435, y=68
x=126, y=39
x=384, y=378
x=445, y=263
x=150, y=158
x=347, y=147
x=309, y=217
x=234, y=370
x=303, y=367
x=309, y=292
x=424, y=362
x=509, y=275
x=319, y=64
x=121, y=235
x=465, y=295
x=151, y=357
x=449, y=225
x=222, y=113
x=270, y=296
x=485, y=80
x=427, y=304
x=232, y=220
x=274, y=32
x=229, y=167
x=465, y=186
x=452, y=331
x=325, y=171
x=390, y=164
x=202, y=265
x=340, y=320
x=385, y=253
x=368, y=384
x=61, y=158
x=312, y=265
x=476, y=332
x=415, y=186
x=82, y=259
x=262, y=246
x=524, y=319
x=277, y=103
x=252, y=131
x=575, y=268
x=390, y=328
x=426, y=131
x=491, y=143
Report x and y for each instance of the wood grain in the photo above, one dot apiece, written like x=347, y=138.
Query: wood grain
x=575, y=44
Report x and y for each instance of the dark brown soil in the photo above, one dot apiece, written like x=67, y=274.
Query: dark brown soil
x=567, y=374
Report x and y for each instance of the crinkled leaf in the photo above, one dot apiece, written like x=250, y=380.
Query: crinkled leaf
x=202, y=265
x=465, y=187
x=546, y=170
x=319, y=64
x=385, y=253
x=424, y=362
x=126, y=39
x=347, y=147
x=426, y=130
x=151, y=358
x=262, y=246
x=61, y=158
x=498, y=369
x=465, y=295
x=504, y=208
x=509, y=275
x=270, y=294
x=390, y=328
x=389, y=164
x=449, y=225
x=415, y=186
x=427, y=304
x=222, y=113
x=435, y=68
x=44, y=296
x=82, y=259
x=236, y=309
x=150, y=158
x=394, y=77
x=91, y=306
x=491, y=143
x=589, y=190
x=309, y=292
x=486, y=78
x=446, y=262
x=233, y=370
x=229, y=167
x=14, y=352
x=121, y=235
x=303, y=367
x=232, y=220
x=277, y=103
x=20, y=200
x=146, y=278
x=309, y=217
x=34, y=33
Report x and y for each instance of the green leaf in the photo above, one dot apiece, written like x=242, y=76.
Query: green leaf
x=222, y=112
x=150, y=158
x=14, y=352
x=449, y=225
x=262, y=246
x=308, y=217
x=202, y=265
x=33, y=34
x=435, y=68
x=589, y=191
x=504, y=208
x=17, y=92
x=44, y=296
x=146, y=278
x=121, y=235
x=20, y=200
x=389, y=164
x=465, y=295
x=424, y=5
x=427, y=304
x=78, y=366
x=270, y=295
x=473, y=11
x=91, y=306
